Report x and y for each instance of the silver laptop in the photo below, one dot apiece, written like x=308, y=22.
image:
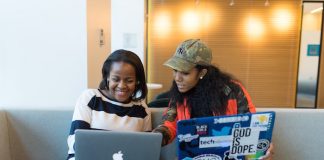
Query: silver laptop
x=113, y=145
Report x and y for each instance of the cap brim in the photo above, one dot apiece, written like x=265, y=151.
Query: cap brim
x=179, y=64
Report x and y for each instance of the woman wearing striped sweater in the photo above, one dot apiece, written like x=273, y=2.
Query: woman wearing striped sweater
x=118, y=104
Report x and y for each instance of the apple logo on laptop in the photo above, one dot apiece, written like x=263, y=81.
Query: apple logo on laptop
x=118, y=156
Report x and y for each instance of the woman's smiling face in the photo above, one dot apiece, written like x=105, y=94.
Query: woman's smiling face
x=121, y=81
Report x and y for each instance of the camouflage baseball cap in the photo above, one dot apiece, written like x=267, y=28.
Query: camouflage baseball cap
x=189, y=54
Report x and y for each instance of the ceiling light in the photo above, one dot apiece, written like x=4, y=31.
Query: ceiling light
x=197, y=2
x=266, y=3
x=232, y=3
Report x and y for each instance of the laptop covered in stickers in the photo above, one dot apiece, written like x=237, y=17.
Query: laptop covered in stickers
x=236, y=137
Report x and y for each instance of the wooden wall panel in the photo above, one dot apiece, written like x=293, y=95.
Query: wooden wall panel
x=267, y=65
x=98, y=17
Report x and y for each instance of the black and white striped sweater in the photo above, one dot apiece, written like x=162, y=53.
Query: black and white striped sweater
x=94, y=110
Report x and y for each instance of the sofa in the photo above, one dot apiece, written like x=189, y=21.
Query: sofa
x=41, y=134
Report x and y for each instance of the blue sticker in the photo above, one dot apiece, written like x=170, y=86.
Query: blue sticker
x=224, y=131
x=313, y=50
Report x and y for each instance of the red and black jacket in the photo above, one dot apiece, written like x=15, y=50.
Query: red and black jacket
x=239, y=102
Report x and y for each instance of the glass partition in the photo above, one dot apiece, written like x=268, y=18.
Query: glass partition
x=310, y=48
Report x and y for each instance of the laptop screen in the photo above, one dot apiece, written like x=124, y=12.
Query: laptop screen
x=242, y=136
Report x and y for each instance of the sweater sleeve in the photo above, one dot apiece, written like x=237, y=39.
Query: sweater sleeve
x=147, y=126
x=81, y=120
x=169, y=126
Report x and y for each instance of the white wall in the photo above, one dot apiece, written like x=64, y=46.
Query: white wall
x=127, y=26
x=42, y=53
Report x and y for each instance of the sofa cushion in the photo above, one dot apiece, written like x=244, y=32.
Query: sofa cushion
x=38, y=134
x=156, y=114
x=298, y=133
x=4, y=138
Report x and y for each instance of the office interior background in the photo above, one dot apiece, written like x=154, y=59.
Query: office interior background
x=50, y=51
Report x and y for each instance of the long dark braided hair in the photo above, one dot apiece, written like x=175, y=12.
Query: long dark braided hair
x=207, y=98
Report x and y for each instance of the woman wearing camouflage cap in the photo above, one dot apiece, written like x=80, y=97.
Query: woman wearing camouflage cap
x=200, y=89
